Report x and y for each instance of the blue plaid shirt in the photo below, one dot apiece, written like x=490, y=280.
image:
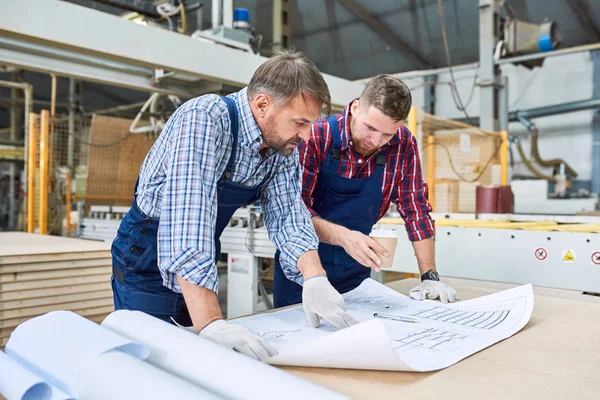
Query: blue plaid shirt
x=178, y=184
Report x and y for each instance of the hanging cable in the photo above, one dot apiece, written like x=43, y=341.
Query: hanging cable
x=455, y=95
x=534, y=75
x=453, y=167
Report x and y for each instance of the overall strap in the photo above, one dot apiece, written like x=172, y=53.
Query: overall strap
x=336, y=137
x=233, y=119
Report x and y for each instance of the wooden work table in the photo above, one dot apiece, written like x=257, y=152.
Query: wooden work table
x=556, y=356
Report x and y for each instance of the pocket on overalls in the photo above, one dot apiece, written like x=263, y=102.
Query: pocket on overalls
x=140, y=255
x=134, y=248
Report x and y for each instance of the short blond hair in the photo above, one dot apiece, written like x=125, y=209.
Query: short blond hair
x=389, y=95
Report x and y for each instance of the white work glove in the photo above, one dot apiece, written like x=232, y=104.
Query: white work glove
x=321, y=300
x=432, y=290
x=238, y=338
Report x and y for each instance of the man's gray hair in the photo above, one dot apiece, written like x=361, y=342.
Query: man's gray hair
x=287, y=74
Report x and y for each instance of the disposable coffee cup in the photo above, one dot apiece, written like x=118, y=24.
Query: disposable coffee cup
x=388, y=239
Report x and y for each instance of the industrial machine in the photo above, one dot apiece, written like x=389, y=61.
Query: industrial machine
x=230, y=28
x=551, y=251
x=521, y=38
x=244, y=243
x=533, y=196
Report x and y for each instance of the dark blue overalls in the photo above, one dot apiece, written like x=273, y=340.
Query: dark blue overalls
x=353, y=203
x=136, y=280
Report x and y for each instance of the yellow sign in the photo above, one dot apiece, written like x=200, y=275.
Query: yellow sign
x=569, y=256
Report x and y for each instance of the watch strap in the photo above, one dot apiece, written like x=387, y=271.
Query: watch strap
x=431, y=275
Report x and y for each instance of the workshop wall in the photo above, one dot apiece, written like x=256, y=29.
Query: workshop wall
x=560, y=80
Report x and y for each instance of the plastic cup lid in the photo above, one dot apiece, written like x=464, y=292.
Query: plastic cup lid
x=384, y=233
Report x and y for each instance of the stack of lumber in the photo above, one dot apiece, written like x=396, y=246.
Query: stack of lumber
x=40, y=273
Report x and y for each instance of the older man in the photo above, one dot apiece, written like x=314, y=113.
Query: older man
x=214, y=155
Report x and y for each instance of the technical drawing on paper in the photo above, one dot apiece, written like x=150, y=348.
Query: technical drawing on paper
x=377, y=303
x=438, y=336
x=470, y=318
x=363, y=301
x=279, y=335
x=430, y=339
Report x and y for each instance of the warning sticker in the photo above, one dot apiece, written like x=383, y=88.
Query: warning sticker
x=568, y=256
x=541, y=254
x=596, y=258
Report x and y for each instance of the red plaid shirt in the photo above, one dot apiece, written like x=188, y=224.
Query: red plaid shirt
x=402, y=182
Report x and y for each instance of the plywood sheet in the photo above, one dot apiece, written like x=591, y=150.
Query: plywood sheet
x=103, y=284
x=52, y=283
x=52, y=266
x=53, y=257
x=41, y=273
x=55, y=300
x=36, y=311
x=102, y=311
x=61, y=273
x=26, y=244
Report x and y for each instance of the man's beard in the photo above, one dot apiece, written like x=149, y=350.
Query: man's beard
x=270, y=138
x=356, y=143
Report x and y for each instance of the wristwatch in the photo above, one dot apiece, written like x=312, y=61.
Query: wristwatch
x=431, y=275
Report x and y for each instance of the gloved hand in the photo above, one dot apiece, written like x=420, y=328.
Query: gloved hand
x=239, y=338
x=321, y=300
x=432, y=290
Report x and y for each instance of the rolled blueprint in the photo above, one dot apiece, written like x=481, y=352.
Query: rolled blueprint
x=58, y=345
x=210, y=365
x=119, y=376
x=19, y=383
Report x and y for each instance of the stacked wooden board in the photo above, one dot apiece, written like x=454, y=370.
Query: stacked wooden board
x=41, y=273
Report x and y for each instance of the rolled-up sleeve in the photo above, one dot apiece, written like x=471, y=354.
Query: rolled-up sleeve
x=411, y=195
x=188, y=212
x=287, y=219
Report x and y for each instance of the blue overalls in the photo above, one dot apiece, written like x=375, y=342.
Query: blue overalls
x=353, y=203
x=136, y=280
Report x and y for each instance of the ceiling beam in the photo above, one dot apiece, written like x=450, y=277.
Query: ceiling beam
x=384, y=32
x=581, y=10
x=139, y=7
x=125, y=54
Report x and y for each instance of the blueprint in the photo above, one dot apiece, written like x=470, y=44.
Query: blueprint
x=411, y=336
x=45, y=355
